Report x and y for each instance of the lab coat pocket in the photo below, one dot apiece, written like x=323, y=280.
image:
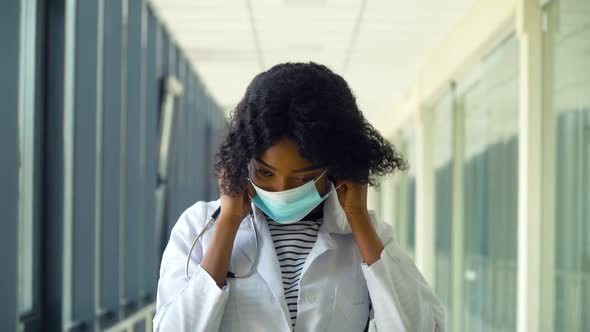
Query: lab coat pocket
x=350, y=311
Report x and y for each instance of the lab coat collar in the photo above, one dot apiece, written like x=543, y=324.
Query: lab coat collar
x=334, y=221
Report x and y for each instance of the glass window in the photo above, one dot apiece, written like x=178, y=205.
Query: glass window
x=404, y=195
x=10, y=192
x=26, y=126
x=490, y=170
x=410, y=194
x=133, y=270
x=85, y=172
x=443, y=169
x=151, y=111
x=111, y=175
x=567, y=55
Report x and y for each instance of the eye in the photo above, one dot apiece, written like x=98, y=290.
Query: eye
x=306, y=179
x=263, y=173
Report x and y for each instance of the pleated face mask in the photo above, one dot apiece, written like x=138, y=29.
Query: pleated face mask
x=291, y=205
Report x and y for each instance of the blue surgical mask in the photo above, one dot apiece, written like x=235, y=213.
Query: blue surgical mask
x=291, y=205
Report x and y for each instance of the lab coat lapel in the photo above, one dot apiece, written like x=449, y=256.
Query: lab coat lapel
x=323, y=243
x=334, y=221
x=268, y=263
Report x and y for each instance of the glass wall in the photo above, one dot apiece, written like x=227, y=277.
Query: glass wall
x=82, y=90
x=489, y=103
x=443, y=170
x=28, y=115
x=19, y=161
x=567, y=59
x=475, y=151
x=404, y=197
x=475, y=164
x=410, y=191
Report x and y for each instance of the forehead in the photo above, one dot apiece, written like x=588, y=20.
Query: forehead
x=284, y=156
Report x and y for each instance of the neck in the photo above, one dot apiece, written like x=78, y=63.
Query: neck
x=316, y=213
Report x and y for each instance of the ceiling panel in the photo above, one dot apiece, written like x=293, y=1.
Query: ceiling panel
x=377, y=46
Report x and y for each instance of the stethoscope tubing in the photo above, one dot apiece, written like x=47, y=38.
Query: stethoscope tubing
x=212, y=220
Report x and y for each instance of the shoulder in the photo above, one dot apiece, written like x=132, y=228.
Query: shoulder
x=193, y=219
x=199, y=211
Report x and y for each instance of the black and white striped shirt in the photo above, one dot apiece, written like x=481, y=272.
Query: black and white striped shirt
x=293, y=242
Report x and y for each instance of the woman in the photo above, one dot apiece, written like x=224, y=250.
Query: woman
x=293, y=247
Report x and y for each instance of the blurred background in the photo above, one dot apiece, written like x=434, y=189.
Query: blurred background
x=111, y=111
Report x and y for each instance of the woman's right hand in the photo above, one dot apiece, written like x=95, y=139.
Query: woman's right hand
x=218, y=254
x=235, y=208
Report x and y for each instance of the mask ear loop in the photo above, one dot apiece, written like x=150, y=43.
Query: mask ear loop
x=252, y=182
x=336, y=188
x=319, y=177
x=330, y=180
x=248, y=191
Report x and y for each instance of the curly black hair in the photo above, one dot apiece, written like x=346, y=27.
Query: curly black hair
x=314, y=107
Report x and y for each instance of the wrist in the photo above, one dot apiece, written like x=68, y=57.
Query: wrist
x=229, y=220
x=356, y=213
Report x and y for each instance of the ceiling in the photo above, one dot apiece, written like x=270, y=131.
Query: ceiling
x=378, y=46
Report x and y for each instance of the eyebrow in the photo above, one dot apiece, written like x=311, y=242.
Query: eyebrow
x=300, y=170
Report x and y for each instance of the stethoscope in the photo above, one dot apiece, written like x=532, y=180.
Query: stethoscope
x=230, y=274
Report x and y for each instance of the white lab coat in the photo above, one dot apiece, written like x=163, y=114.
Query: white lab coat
x=335, y=290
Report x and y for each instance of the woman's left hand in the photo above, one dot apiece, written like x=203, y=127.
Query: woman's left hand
x=352, y=197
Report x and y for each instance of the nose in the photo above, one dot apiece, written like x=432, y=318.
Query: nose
x=282, y=185
x=285, y=183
